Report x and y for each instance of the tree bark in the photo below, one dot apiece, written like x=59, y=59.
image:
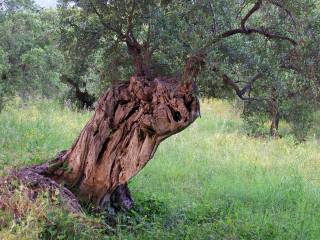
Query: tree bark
x=130, y=121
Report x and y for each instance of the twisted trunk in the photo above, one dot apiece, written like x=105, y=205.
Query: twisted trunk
x=130, y=121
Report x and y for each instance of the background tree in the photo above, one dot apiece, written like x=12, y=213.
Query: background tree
x=241, y=40
x=30, y=59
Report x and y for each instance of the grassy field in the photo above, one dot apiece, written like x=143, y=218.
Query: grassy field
x=211, y=181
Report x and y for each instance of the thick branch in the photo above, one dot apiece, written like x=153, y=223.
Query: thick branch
x=249, y=30
x=270, y=35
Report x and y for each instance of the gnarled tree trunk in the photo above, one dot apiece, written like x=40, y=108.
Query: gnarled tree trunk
x=130, y=121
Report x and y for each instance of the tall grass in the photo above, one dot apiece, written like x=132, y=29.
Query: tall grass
x=35, y=131
x=211, y=181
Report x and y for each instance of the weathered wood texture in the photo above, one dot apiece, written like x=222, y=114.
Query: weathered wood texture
x=130, y=121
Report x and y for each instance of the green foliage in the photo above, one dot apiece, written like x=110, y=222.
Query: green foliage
x=30, y=63
x=176, y=29
x=43, y=66
x=79, y=49
x=62, y=225
x=301, y=118
x=210, y=181
x=254, y=124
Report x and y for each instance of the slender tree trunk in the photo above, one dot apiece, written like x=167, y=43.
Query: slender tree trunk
x=275, y=118
x=130, y=121
x=274, y=128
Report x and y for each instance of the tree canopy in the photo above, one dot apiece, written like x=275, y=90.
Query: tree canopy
x=263, y=52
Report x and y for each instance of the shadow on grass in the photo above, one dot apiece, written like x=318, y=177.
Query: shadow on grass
x=146, y=214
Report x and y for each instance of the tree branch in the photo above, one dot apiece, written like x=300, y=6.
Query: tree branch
x=248, y=31
x=241, y=92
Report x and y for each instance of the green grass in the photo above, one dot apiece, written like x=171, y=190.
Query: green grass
x=34, y=131
x=211, y=181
